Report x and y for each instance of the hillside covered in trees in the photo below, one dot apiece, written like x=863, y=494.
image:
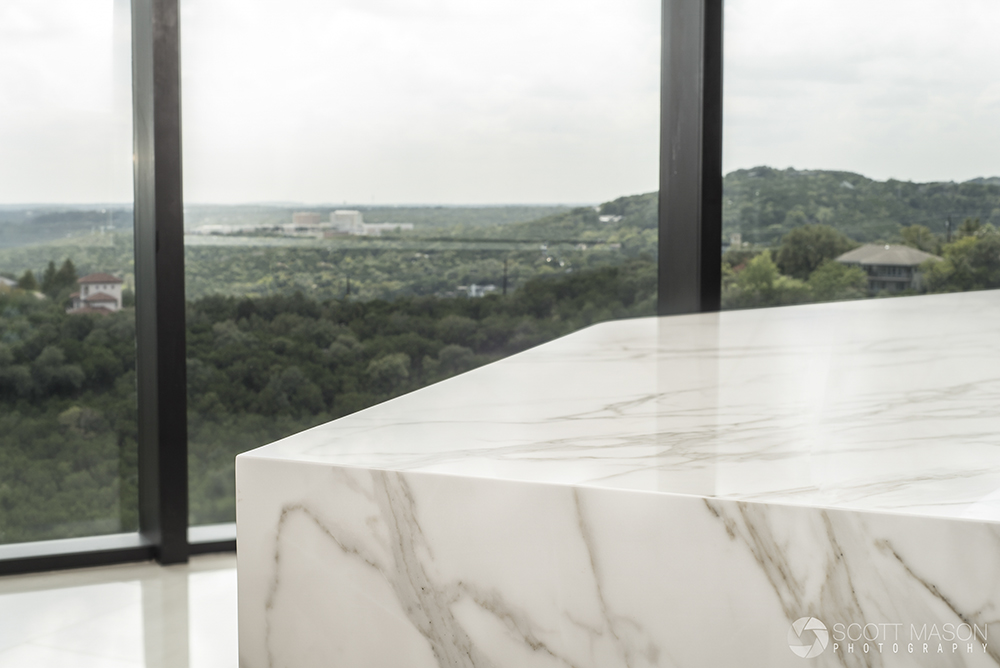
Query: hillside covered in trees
x=764, y=204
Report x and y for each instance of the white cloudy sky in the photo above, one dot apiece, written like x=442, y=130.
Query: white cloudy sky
x=410, y=101
x=906, y=89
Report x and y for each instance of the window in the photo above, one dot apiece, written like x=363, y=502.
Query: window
x=852, y=127
x=68, y=459
x=402, y=198
x=551, y=196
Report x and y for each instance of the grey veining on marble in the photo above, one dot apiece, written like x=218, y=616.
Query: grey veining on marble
x=353, y=567
x=813, y=485
x=881, y=404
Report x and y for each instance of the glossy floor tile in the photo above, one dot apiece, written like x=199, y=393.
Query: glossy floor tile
x=129, y=616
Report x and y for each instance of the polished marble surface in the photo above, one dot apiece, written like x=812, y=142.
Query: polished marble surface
x=686, y=491
x=136, y=615
x=885, y=404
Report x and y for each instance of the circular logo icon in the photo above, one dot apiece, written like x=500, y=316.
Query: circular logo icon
x=808, y=637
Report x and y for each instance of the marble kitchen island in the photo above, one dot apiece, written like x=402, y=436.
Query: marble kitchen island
x=810, y=485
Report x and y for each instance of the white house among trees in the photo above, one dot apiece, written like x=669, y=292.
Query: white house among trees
x=98, y=293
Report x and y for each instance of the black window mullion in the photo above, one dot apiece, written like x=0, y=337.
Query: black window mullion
x=159, y=279
x=690, y=226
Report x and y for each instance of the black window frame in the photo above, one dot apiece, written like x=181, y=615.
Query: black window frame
x=689, y=262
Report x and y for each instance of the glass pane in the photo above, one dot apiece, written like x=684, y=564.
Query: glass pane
x=861, y=149
x=67, y=334
x=384, y=194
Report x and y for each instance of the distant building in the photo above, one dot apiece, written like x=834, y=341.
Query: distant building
x=99, y=293
x=347, y=222
x=890, y=267
x=7, y=282
x=351, y=222
x=305, y=219
x=475, y=290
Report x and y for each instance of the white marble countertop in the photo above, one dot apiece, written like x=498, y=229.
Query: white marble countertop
x=886, y=404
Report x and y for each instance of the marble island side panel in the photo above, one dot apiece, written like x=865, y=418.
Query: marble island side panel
x=343, y=566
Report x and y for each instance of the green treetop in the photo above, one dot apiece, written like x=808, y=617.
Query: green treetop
x=805, y=248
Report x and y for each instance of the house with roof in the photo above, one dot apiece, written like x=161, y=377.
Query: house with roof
x=890, y=267
x=99, y=293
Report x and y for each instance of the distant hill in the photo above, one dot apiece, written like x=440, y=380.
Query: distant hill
x=764, y=203
x=990, y=181
x=633, y=211
x=22, y=226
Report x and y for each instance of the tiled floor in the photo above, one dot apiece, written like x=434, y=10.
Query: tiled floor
x=122, y=616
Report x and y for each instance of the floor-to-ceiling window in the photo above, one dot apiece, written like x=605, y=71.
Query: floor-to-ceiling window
x=67, y=332
x=382, y=195
x=860, y=150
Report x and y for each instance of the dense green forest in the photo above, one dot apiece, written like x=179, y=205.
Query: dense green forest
x=258, y=369
x=285, y=333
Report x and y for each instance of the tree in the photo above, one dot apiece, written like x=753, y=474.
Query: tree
x=389, y=370
x=455, y=359
x=795, y=217
x=969, y=227
x=56, y=281
x=27, y=281
x=760, y=274
x=805, y=248
x=761, y=284
x=736, y=257
x=833, y=281
x=970, y=263
x=66, y=276
x=921, y=238
x=48, y=278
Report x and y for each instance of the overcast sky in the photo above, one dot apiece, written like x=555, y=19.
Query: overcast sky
x=905, y=89
x=495, y=101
